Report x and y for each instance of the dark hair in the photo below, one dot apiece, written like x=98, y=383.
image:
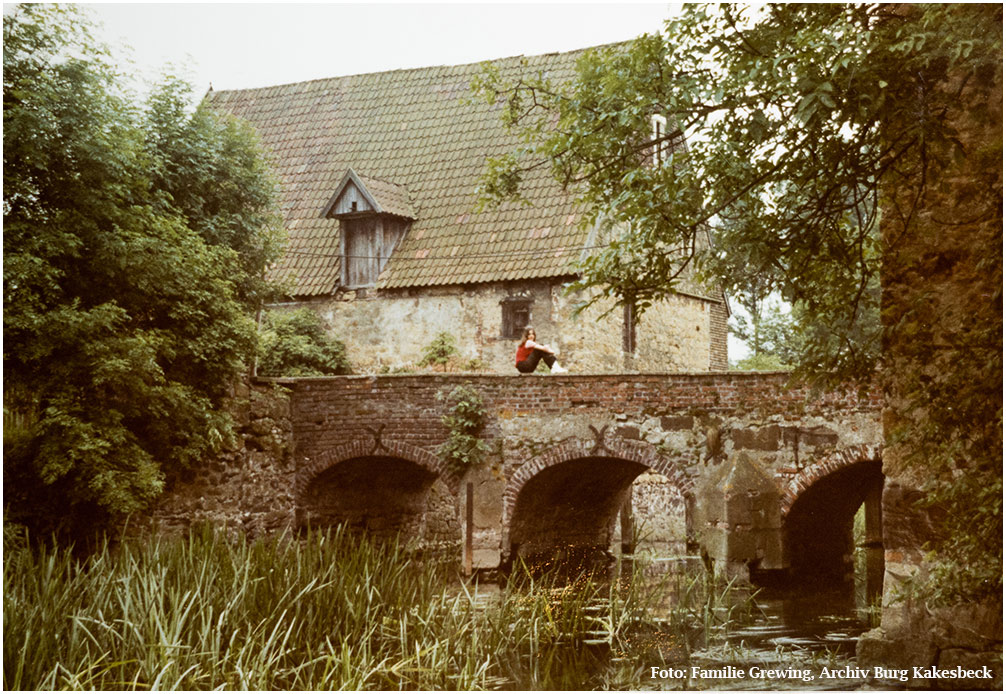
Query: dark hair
x=528, y=330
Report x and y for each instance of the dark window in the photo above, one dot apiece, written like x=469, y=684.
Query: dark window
x=516, y=316
x=629, y=328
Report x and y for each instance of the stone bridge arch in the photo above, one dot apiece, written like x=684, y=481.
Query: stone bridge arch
x=842, y=458
x=591, y=479
x=818, y=509
x=383, y=486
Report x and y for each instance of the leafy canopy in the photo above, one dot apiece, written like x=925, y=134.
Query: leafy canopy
x=294, y=343
x=135, y=241
x=786, y=110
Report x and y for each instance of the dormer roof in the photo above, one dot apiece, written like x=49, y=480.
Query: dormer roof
x=358, y=195
x=419, y=130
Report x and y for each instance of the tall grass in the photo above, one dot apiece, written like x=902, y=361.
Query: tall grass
x=330, y=610
x=325, y=611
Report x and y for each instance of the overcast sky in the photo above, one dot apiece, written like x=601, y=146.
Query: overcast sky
x=243, y=45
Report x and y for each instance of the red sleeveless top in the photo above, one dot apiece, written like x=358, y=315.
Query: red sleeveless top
x=523, y=352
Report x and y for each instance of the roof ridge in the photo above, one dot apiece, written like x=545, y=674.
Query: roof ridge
x=216, y=92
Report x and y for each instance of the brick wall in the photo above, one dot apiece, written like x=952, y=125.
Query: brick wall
x=535, y=424
x=408, y=409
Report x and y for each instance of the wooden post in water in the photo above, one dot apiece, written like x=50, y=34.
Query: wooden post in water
x=469, y=521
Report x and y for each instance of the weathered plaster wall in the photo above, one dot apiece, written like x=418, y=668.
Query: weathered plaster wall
x=389, y=330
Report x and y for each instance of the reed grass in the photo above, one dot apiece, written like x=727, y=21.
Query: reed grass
x=328, y=610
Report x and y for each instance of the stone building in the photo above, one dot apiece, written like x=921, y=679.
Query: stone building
x=379, y=176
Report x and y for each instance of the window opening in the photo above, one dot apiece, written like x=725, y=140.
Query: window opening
x=629, y=328
x=658, y=127
x=516, y=316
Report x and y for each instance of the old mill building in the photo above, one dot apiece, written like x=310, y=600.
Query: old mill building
x=379, y=175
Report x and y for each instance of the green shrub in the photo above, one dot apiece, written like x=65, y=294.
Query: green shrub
x=761, y=362
x=294, y=343
x=441, y=351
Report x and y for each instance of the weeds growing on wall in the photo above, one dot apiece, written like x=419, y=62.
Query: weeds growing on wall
x=440, y=351
x=465, y=420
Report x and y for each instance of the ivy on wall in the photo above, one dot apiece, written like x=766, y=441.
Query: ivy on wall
x=465, y=420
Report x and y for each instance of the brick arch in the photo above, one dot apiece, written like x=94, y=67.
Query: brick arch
x=843, y=458
x=363, y=446
x=575, y=449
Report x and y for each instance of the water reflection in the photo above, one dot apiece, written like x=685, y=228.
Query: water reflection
x=702, y=634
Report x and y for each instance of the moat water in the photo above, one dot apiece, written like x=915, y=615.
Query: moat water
x=792, y=637
x=796, y=637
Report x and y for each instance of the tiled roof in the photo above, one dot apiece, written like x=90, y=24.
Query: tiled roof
x=417, y=138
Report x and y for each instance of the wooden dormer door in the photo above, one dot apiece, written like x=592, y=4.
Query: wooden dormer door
x=363, y=252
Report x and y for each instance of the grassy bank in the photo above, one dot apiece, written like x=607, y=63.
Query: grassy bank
x=328, y=611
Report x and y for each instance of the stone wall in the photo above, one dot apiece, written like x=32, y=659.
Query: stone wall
x=717, y=459
x=250, y=486
x=387, y=331
x=942, y=373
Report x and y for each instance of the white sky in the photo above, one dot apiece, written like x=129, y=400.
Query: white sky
x=243, y=45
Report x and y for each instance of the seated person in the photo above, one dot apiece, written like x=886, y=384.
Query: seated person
x=529, y=353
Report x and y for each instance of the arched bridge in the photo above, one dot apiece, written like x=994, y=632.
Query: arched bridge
x=753, y=473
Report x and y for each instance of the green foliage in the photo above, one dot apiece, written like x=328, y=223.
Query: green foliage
x=463, y=448
x=440, y=351
x=769, y=331
x=135, y=242
x=956, y=575
x=787, y=109
x=950, y=432
x=475, y=364
x=294, y=343
x=760, y=362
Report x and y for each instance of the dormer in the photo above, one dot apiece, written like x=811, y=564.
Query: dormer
x=374, y=216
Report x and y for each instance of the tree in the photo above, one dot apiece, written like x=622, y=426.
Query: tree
x=818, y=140
x=768, y=330
x=787, y=111
x=135, y=242
x=294, y=343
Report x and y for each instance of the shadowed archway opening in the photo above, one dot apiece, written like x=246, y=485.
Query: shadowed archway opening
x=383, y=496
x=569, y=509
x=818, y=530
